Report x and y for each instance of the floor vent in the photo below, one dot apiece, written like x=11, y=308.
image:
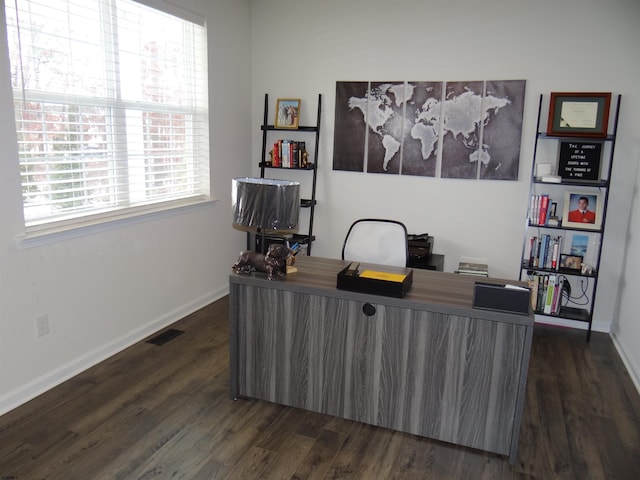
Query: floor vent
x=165, y=336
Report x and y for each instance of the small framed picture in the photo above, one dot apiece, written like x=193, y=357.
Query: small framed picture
x=570, y=263
x=579, y=245
x=287, y=113
x=582, y=210
x=579, y=114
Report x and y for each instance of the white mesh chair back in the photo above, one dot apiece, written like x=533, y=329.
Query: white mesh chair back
x=371, y=240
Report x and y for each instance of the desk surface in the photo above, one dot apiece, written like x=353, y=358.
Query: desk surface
x=431, y=290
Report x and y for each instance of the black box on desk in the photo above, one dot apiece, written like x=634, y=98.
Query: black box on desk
x=390, y=282
x=502, y=298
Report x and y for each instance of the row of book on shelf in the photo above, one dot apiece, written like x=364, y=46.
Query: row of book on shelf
x=542, y=210
x=288, y=154
x=546, y=293
x=545, y=251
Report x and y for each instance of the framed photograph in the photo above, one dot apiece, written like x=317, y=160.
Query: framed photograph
x=570, y=263
x=579, y=114
x=287, y=113
x=579, y=245
x=582, y=210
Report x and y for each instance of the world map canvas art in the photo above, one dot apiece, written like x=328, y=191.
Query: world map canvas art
x=437, y=129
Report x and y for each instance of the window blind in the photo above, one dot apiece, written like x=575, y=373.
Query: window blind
x=110, y=102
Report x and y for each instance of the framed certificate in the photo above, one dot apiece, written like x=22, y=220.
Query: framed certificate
x=579, y=114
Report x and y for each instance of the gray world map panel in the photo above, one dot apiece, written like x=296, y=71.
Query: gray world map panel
x=503, y=130
x=350, y=132
x=451, y=130
x=423, y=114
x=461, y=132
x=384, y=105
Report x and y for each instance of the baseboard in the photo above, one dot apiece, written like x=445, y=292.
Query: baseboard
x=604, y=327
x=38, y=386
x=632, y=368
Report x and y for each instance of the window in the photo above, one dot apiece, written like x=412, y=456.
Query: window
x=111, y=108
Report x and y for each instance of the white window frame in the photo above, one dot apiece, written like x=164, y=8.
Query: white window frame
x=128, y=210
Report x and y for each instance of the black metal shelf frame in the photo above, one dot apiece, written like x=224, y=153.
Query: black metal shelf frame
x=603, y=184
x=306, y=238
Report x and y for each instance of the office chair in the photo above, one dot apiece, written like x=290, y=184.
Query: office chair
x=381, y=241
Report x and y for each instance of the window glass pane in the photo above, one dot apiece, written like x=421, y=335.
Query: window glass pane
x=66, y=159
x=60, y=51
x=111, y=106
x=156, y=60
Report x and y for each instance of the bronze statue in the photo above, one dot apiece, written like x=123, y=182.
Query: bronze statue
x=275, y=261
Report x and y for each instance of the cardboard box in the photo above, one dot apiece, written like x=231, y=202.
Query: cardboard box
x=502, y=298
x=390, y=281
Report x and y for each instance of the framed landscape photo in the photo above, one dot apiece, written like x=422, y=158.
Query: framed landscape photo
x=287, y=113
x=579, y=114
x=582, y=210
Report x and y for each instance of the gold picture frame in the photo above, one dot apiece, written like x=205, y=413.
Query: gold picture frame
x=287, y=113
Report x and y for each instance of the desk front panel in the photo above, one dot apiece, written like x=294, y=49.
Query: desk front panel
x=449, y=377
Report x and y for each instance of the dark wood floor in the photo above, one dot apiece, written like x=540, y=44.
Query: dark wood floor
x=159, y=412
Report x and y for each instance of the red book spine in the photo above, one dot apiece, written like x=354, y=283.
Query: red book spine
x=544, y=207
x=276, y=156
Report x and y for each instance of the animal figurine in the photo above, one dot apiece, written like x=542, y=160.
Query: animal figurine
x=274, y=262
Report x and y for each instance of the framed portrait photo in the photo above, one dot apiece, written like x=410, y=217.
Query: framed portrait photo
x=287, y=113
x=582, y=210
x=579, y=114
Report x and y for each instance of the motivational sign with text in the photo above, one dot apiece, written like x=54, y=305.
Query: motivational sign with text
x=580, y=161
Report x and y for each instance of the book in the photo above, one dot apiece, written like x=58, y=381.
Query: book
x=557, y=296
x=557, y=248
x=534, y=292
x=544, y=206
x=544, y=245
x=468, y=268
x=548, y=301
x=275, y=160
x=533, y=241
x=542, y=288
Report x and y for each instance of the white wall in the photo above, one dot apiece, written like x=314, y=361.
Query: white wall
x=626, y=325
x=302, y=47
x=107, y=289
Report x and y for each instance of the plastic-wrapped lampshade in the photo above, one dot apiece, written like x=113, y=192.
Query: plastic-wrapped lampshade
x=265, y=204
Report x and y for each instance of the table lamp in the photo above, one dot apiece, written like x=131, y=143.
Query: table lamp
x=263, y=205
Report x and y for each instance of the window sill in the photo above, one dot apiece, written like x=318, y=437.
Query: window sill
x=57, y=233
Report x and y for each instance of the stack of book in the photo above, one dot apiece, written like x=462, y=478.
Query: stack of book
x=477, y=269
x=288, y=154
x=544, y=252
x=546, y=293
x=542, y=211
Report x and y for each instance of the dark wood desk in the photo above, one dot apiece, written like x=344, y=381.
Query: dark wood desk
x=427, y=364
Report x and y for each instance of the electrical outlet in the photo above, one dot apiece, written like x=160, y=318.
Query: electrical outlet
x=42, y=324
